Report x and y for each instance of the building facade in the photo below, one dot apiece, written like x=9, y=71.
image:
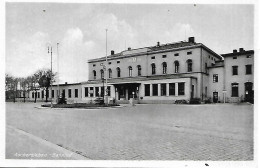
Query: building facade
x=166, y=73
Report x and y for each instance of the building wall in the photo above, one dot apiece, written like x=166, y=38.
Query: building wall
x=216, y=86
x=241, y=78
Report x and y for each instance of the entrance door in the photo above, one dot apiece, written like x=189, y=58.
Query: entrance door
x=249, y=93
x=215, y=97
x=192, y=91
x=63, y=93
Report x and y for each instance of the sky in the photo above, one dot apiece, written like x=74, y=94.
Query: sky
x=80, y=30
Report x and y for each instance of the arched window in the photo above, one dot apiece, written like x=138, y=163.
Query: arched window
x=164, y=64
x=130, y=69
x=118, y=72
x=176, y=66
x=189, y=65
x=94, y=74
x=139, y=70
x=153, y=68
x=102, y=73
x=109, y=73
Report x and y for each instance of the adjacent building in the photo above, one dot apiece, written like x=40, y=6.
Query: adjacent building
x=165, y=73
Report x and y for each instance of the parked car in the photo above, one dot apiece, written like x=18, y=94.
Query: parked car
x=99, y=100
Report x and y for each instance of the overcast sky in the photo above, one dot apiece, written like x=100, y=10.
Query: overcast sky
x=80, y=31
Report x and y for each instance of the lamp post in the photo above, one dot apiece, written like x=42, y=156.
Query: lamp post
x=50, y=48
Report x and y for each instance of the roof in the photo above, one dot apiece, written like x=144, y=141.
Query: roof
x=155, y=49
x=238, y=53
x=66, y=84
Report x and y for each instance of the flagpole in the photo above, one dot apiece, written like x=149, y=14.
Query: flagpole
x=106, y=91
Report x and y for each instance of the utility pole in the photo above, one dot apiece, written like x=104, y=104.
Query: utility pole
x=51, y=74
x=58, y=69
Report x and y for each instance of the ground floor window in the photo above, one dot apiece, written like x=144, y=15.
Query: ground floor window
x=91, y=91
x=155, y=89
x=163, y=89
x=181, y=88
x=102, y=91
x=32, y=94
x=69, y=93
x=171, y=89
x=97, y=91
x=38, y=94
x=147, y=90
x=76, y=92
x=108, y=90
x=42, y=94
x=86, y=91
x=52, y=93
x=234, y=90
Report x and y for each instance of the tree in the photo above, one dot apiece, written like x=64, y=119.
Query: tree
x=45, y=78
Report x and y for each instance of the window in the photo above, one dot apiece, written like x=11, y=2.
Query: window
x=164, y=67
x=109, y=73
x=248, y=56
x=234, y=70
x=94, y=74
x=109, y=63
x=139, y=70
x=248, y=69
x=102, y=73
x=108, y=90
x=52, y=93
x=153, y=69
x=32, y=94
x=91, y=91
x=189, y=53
x=118, y=72
x=176, y=54
x=209, y=56
x=94, y=65
x=181, y=88
x=163, y=89
x=147, y=90
x=164, y=56
x=69, y=93
x=234, y=90
x=102, y=91
x=38, y=94
x=153, y=57
x=155, y=89
x=76, y=92
x=118, y=62
x=42, y=94
x=206, y=67
x=47, y=94
x=130, y=70
x=215, y=78
x=189, y=64
x=176, y=65
x=171, y=89
x=235, y=57
x=86, y=91
x=97, y=91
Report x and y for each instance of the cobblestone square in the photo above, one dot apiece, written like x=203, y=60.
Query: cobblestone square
x=141, y=132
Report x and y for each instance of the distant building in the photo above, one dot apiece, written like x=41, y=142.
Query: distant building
x=165, y=73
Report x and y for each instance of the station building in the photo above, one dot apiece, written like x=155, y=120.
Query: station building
x=165, y=73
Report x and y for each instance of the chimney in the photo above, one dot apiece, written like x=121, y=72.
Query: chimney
x=191, y=39
x=234, y=51
x=112, y=52
x=241, y=49
x=129, y=48
x=158, y=43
